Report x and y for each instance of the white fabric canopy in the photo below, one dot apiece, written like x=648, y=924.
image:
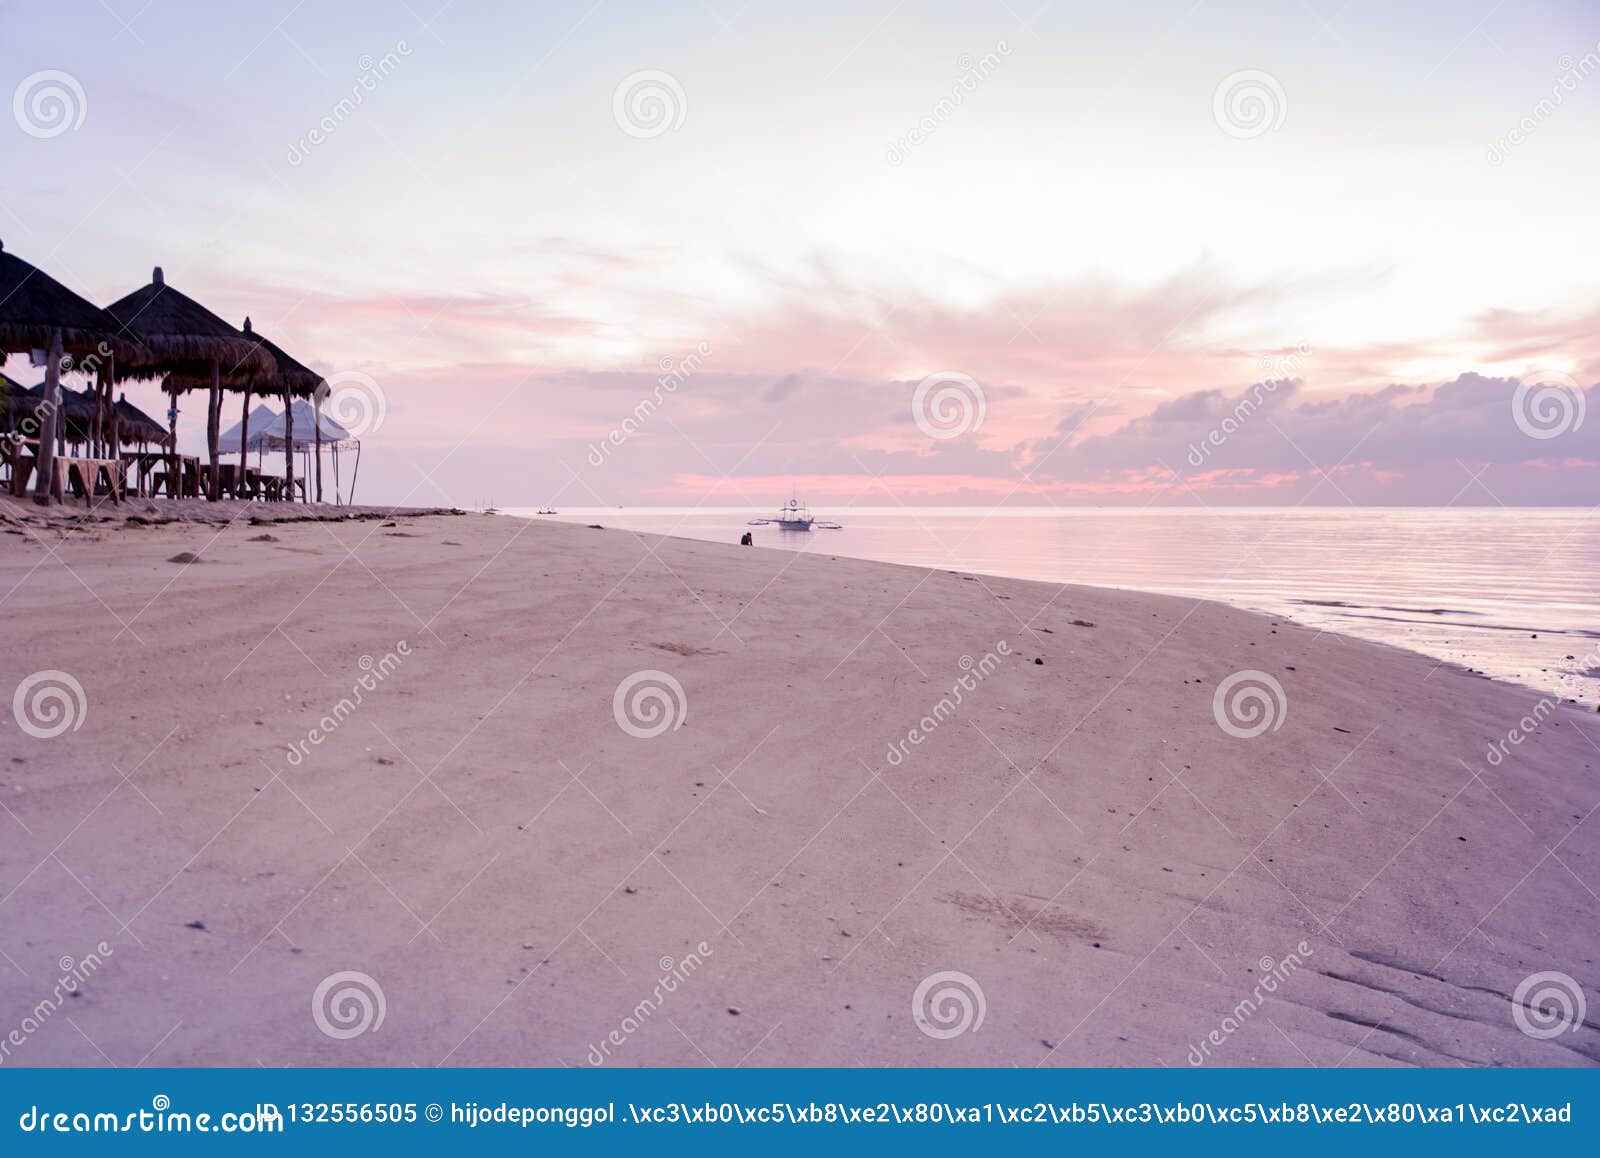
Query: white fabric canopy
x=267, y=430
x=261, y=418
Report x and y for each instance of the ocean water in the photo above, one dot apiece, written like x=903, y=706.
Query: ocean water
x=1514, y=593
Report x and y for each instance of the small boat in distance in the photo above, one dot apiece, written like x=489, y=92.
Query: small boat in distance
x=793, y=517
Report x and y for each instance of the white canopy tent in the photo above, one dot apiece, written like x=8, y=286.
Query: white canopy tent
x=261, y=418
x=267, y=430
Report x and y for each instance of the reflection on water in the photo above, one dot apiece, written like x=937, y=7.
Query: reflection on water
x=1509, y=592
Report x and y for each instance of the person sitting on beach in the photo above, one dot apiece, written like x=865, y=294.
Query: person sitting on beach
x=746, y=540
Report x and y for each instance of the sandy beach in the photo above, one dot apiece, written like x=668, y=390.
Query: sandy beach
x=395, y=748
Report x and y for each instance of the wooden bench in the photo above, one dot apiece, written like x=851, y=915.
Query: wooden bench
x=23, y=455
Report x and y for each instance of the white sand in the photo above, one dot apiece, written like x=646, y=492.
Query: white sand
x=481, y=837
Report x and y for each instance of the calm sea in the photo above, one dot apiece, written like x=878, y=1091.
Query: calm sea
x=1514, y=593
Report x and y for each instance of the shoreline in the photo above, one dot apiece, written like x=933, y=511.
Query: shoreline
x=1565, y=667
x=16, y=513
x=480, y=835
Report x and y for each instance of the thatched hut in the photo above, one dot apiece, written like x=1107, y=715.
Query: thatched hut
x=20, y=410
x=192, y=348
x=10, y=388
x=139, y=427
x=39, y=313
x=76, y=412
x=294, y=380
x=289, y=380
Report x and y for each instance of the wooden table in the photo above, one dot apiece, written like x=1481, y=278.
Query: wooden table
x=181, y=477
x=82, y=477
x=146, y=461
x=274, y=486
x=223, y=474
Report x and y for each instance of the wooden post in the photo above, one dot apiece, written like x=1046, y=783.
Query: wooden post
x=316, y=402
x=92, y=389
x=102, y=418
x=108, y=422
x=288, y=445
x=214, y=429
x=49, y=404
x=174, y=463
x=244, y=438
x=116, y=415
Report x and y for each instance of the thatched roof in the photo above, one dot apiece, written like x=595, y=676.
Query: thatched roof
x=77, y=411
x=33, y=305
x=17, y=401
x=137, y=426
x=301, y=380
x=184, y=339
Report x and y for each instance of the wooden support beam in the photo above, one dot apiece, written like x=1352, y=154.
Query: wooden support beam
x=49, y=421
x=316, y=402
x=244, y=439
x=214, y=430
x=110, y=372
x=288, y=445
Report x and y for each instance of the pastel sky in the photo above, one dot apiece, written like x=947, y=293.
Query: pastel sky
x=1219, y=253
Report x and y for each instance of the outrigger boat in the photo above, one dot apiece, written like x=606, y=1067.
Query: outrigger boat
x=791, y=517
